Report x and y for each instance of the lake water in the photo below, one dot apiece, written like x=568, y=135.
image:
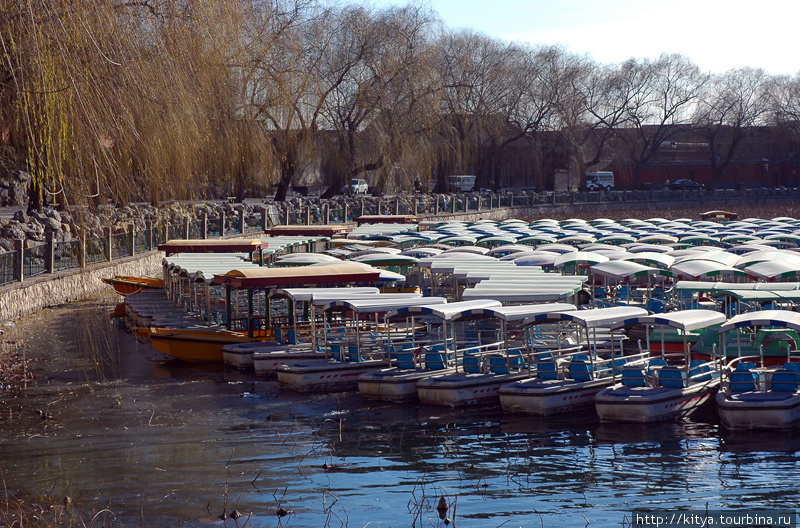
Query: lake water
x=164, y=444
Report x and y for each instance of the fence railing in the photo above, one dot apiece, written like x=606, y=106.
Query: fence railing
x=52, y=256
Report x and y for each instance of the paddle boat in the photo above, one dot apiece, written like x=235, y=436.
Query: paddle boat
x=670, y=387
x=298, y=346
x=363, y=346
x=480, y=362
x=417, y=361
x=755, y=396
x=205, y=345
x=566, y=379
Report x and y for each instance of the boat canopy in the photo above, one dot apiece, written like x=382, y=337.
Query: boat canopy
x=523, y=311
x=598, y=317
x=686, y=320
x=308, y=294
x=579, y=258
x=710, y=286
x=447, y=312
x=521, y=295
x=382, y=303
x=327, y=274
x=651, y=258
x=623, y=270
x=773, y=270
x=228, y=245
x=779, y=318
x=700, y=269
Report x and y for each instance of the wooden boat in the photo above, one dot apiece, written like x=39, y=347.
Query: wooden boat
x=765, y=397
x=567, y=380
x=126, y=285
x=196, y=346
x=665, y=388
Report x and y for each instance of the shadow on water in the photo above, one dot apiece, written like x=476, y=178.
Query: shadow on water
x=165, y=443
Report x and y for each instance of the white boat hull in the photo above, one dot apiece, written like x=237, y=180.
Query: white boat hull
x=395, y=384
x=546, y=397
x=759, y=410
x=463, y=389
x=241, y=356
x=321, y=375
x=266, y=364
x=652, y=404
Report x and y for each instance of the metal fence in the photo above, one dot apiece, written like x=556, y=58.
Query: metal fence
x=58, y=256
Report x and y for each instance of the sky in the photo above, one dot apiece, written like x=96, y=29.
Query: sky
x=716, y=35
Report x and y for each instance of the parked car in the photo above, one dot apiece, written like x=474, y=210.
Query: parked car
x=461, y=183
x=357, y=186
x=686, y=185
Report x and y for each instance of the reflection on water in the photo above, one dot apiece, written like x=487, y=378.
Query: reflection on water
x=161, y=443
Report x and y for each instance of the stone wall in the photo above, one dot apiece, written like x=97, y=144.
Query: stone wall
x=35, y=293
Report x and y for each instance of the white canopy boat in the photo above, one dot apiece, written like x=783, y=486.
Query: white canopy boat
x=478, y=373
x=754, y=397
x=363, y=346
x=566, y=380
x=671, y=386
x=432, y=360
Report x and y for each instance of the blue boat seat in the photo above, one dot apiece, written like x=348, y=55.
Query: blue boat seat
x=672, y=377
x=435, y=361
x=546, y=370
x=336, y=352
x=699, y=370
x=352, y=354
x=497, y=364
x=580, y=370
x=633, y=376
x=743, y=379
x=472, y=364
x=792, y=367
x=784, y=380
x=405, y=360
x=653, y=364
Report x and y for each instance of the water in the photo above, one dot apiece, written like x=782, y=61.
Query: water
x=164, y=444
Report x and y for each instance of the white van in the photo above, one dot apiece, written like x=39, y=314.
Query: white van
x=462, y=183
x=598, y=180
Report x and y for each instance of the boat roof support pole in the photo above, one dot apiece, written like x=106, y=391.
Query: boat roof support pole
x=249, y=312
x=228, y=311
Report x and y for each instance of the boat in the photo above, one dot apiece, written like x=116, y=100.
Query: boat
x=478, y=363
x=196, y=345
x=665, y=388
x=756, y=396
x=566, y=380
x=362, y=346
x=419, y=361
x=127, y=285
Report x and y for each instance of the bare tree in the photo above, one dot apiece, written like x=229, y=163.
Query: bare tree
x=658, y=95
x=730, y=106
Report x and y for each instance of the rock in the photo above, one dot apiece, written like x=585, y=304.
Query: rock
x=20, y=216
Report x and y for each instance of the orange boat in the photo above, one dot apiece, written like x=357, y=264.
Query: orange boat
x=197, y=346
x=128, y=285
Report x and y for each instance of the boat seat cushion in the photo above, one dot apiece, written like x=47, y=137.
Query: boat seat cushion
x=784, y=380
x=405, y=360
x=472, y=364
x=546, y=370
x=672, y=377
x=580, y=370
x=743, y=381
x=435, y=361
x=655, y=364
x=633, y=377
